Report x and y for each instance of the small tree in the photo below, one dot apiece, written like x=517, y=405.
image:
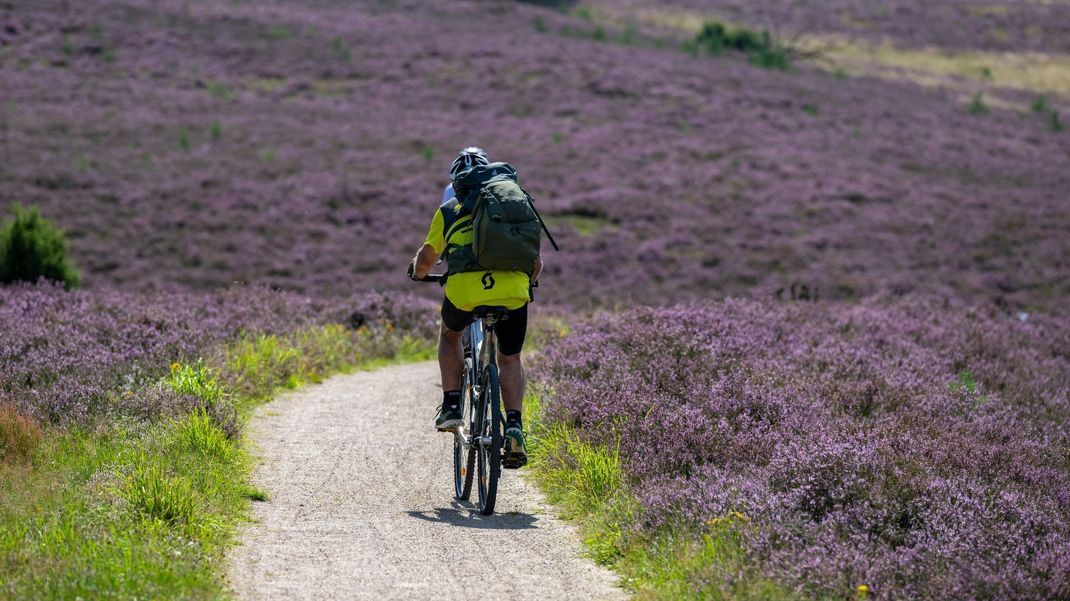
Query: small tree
x=32, y=248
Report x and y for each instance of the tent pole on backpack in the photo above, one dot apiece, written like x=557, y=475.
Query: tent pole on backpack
x=549, y=236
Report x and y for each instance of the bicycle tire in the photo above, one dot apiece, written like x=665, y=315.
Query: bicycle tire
x=490, y=455
x=464, y=461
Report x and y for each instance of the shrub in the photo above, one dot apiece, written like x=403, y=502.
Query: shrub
x=19, y=435
x=977, y=105
x=32, y=248
x=760, y=47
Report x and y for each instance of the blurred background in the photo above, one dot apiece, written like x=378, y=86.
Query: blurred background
x=860, y=148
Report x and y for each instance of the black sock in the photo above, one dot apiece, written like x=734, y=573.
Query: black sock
x=512, y=418
x=451, y=398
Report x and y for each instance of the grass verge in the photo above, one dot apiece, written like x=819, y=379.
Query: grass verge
x=132, y=509
x=586, y=481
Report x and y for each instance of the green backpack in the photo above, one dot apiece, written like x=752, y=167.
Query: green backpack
x=506, y=228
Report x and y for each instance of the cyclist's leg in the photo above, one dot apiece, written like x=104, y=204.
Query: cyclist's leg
x=450, y=354
x=511, y=376
x=451, y=364
x=511, y=334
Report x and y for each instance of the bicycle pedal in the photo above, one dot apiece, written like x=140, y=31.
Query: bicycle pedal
x=514, y=461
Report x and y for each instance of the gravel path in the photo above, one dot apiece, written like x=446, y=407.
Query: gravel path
x=361, y=507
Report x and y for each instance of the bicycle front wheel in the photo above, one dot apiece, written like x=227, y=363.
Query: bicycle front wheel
x=490, y=440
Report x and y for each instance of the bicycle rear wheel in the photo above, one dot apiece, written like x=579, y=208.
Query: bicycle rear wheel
x=464, y=460
x=490, y=440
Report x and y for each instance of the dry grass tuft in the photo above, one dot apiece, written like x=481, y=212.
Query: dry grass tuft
x=19, y=434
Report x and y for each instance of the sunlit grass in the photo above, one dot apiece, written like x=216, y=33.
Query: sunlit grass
x=963, y=70
x=120, y=512
x=258, y=365
x=1030, y=71
x=585, y=226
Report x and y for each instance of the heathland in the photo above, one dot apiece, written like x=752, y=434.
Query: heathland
x=880, y=189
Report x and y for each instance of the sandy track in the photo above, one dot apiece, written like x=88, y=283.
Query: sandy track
x=361, y=507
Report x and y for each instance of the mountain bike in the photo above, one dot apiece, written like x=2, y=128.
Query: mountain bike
x=478, y=443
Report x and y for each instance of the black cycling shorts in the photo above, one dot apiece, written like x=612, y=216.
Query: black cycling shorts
x=510, y=332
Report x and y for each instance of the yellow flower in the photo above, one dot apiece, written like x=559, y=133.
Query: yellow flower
x=863, y=591
x=730, y=518
x=175, y=366
x=739, y=516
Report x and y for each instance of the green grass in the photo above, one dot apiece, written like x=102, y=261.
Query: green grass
x=256, y=366
x=131, y=510
x=183, y=140
x=128, y=511
x=586, y=480
x=219, y=90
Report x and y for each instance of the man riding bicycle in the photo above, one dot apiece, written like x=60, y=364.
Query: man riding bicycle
x=451, y=228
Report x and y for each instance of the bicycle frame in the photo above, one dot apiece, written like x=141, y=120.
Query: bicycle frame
x=479, y=440
x=480, y=349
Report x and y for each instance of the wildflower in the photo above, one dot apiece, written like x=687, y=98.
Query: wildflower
x=728, y=519
x=175, y=366
x=863, y=591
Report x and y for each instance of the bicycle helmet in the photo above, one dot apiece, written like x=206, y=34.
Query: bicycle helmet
x=468, y=157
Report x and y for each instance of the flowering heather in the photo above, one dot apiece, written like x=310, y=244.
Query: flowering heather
x=303, y=145
x=918, y=449
x=66, y=357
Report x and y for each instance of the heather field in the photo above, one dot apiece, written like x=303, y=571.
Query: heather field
x=303, y=146
x=809, y=334
x=917, y=450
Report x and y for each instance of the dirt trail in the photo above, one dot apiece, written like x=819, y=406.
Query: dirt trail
x=361, y=507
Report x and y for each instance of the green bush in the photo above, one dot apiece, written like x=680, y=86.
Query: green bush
x=760, y=47
x=32, y=248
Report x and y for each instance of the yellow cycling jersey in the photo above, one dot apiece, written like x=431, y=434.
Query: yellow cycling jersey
x=469, y=289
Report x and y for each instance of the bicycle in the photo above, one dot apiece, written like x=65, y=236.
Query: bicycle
x=480, y=440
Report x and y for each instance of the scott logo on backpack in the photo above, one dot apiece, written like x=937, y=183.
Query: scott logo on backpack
x=506, y=228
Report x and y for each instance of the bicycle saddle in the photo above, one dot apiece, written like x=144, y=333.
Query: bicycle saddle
x=485, y=311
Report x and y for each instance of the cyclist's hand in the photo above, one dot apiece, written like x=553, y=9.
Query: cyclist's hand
x=412, y=272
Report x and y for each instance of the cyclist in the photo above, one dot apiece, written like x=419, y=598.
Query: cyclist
x=464, y=292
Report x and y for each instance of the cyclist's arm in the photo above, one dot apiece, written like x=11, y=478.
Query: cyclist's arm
x=538, y=270
x=425, y=260
x=432, y=248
